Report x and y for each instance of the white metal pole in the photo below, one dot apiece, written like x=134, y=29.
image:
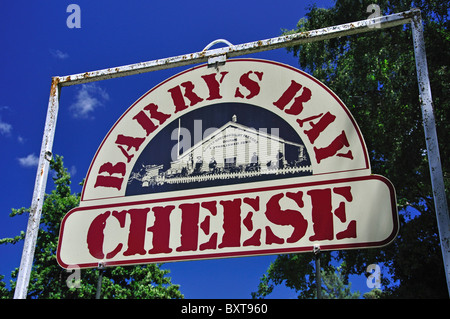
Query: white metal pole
x=242, y=49
x=434, y=159
x=34, y=218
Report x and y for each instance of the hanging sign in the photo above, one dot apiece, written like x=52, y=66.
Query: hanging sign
x=250, y=158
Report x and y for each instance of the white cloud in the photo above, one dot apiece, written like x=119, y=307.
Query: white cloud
x=29, y=161
x=59, y=54
x=5, y=128
x=89, y=97
x=72, y=170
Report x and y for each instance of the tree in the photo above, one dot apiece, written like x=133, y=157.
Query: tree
x=336, y=286
x=373, y=294
x=374, y=74
x=296, y=271
x=288, y=268
x=49, y=280
x=3, y=290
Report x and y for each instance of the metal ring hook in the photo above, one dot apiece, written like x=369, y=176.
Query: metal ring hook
x=217, y=41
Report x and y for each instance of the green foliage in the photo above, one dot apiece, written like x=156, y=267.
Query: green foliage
x=373, y=294
x=374, y=74
x=4, y=292
x=335, y=285
x=49, y=280
x=296, y=271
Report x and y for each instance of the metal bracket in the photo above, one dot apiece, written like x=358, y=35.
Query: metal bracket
x=217, y=60
x=48, y=155
x=214, y=62
x=101, y=265
x=316, y=249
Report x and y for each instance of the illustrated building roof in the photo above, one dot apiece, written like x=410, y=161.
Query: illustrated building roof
x=233, y=123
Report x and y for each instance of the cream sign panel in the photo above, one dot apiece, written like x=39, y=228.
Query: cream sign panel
x=252, y=158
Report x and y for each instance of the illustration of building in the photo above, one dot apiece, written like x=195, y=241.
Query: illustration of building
x=236, y=147
x=234, y=151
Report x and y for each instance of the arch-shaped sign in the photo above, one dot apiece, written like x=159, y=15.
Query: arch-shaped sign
x=253, y=157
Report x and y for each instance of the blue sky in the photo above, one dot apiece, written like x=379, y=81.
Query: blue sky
x=37, y=44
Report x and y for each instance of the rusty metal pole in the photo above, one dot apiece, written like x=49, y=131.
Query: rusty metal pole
x=217, y=55
x=434, y=159
x=34, y=218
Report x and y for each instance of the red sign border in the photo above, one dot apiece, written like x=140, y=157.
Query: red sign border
x=323, y=247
